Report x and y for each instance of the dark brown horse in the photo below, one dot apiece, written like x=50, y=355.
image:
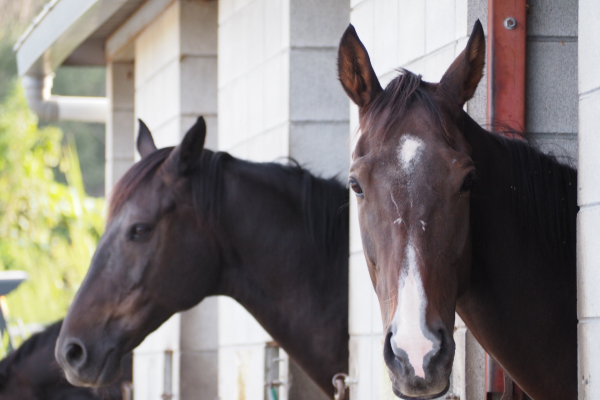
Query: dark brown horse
x=31, y=373
x=453, y=217
x=187, y=223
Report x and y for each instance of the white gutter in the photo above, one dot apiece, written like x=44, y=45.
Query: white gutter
x=54, y=34
x=54, y=108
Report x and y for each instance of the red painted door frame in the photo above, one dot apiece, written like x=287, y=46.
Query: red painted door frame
x=505, y=108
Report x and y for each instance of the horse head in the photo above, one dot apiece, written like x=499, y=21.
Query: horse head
x=412, y=173
x=145, y=268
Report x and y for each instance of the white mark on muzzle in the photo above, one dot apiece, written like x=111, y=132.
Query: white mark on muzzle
x=409, y=318
x=409, y=151
x=423, y=224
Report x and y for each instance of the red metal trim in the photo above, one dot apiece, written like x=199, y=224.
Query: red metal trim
x=505, y=105
x=506, y=63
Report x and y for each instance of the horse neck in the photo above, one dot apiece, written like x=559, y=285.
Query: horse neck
x=274, y=268
x=521, y=303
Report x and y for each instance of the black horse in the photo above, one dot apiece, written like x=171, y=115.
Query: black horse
x=186, y=223
x=31, y=373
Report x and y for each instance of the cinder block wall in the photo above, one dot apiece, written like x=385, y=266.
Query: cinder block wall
x=552, y=106
x=588, y=237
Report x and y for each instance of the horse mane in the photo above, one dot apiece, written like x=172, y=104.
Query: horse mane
x=402, y=91
x=322, y=200
x=30, y=345
x=545, y=196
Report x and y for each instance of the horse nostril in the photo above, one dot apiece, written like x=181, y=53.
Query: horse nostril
x=75, y=354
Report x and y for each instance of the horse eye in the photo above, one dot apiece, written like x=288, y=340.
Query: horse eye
x=356, y=188
x=140, y=231
x=468, y=182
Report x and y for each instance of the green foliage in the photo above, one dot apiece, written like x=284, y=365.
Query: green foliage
x=47, y=228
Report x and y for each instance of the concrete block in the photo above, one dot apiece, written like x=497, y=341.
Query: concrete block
x=322, y=147
x=552, y=18
x=361, y=296
x=241, y=372
x=362, y=17
x=226, y=8
x=198, y=27
x=166, y=337
x=315, y=92
x=121, y=142
x=589, y=45
x=461, y=17
x=552, y=87
x=148, y=375
x=276, y=90
x=237, y=327
x=158, y=99
x=167, y=134
x=233, y=114
x=368, y=368
x=276, y=27
x=589, y=148
x=199, y=327
x=199, y=375
x=588, y=348
x=384, y=54
x=354, y=3
x=227, y=65
x=254, y=102
x=434, y=65
x=318, y=23
x=252, y=52
x=411, y=28
x=198, y=89
x=227, y=120
x=588, y=264
x=157, y=45
x=355, y=238
x=439, y=24
x=266, y=147
x=115, y=169
x=120, y=85
x=474, y=367
x=477, y=10
x=563, y=147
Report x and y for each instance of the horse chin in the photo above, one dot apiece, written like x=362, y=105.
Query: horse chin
x=420, y=395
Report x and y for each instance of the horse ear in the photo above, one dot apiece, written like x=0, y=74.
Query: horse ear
x=462, y=77
x=190, y=149
x=355, y=70
x=145, y=142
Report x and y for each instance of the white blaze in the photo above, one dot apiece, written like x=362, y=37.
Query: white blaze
x=410, y=316
x=409, y=151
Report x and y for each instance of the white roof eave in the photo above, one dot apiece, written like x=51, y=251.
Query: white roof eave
x=61, y=27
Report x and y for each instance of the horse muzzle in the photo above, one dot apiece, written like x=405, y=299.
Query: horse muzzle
x=88, y=366
x=431, y=377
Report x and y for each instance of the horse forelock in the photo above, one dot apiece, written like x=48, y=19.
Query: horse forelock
x=403, y=91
